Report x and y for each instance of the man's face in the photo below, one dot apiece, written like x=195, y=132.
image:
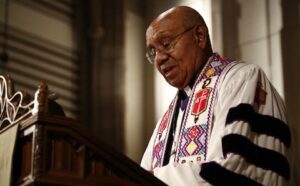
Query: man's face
x=180, y=61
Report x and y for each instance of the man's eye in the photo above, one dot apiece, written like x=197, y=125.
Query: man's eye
x=166, y=44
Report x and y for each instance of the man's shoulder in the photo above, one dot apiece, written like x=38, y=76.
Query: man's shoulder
x=241, y=71
x=241, y=68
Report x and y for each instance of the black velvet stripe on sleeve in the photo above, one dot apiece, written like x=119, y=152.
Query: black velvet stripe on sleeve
x=262, y=124
x=261, y=157
x=219, y=176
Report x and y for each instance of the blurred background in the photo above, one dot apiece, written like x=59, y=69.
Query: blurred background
x=92, y=55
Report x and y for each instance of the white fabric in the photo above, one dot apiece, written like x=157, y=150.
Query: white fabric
x=238, y=83
x=8, y=138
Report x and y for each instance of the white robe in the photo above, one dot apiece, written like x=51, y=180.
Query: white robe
x=239, y=85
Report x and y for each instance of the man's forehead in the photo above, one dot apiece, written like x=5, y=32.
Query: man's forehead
x=162, y=27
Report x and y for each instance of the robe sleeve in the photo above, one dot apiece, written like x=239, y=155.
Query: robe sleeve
x=250, y=127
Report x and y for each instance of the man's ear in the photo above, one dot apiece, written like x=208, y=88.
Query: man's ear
x=201, y=36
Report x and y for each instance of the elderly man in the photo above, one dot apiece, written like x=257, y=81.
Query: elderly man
x=226, y=125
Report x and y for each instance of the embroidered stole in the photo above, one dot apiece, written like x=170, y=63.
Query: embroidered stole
x=197, y=119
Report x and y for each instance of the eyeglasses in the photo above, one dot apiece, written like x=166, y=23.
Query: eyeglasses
x=166, y=47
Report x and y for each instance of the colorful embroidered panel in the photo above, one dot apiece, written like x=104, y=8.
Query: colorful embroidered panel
x=157, y=154
x=197, y=119
x=192, y=140
x=162, y=135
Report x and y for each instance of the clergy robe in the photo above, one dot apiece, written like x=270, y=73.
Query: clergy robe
x=233, y=131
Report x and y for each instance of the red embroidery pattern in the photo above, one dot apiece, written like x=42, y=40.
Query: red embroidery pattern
x=157, y=154
x=193, y=145
x=159, y=144
x=200, y=104
x=260, y=95
x=164, y=123
x=192, y=141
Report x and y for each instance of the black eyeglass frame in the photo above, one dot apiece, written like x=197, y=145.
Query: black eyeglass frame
x=166, y=48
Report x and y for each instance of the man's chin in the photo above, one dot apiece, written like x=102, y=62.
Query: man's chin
x=175, y=84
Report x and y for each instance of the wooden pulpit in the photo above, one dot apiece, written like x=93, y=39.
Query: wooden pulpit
x=51, y=149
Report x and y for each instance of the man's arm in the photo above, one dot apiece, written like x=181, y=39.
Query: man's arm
x=251, y=129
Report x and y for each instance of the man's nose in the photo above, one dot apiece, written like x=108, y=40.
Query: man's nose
x=161, y=57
